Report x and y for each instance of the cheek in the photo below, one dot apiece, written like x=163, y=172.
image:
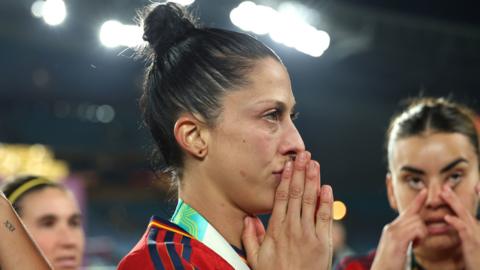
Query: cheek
x=45, y=240
x=404, y=197
x=468, y=197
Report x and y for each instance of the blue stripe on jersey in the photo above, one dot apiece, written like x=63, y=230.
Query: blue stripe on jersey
x=187, y=249
x=177, y=262
x=152, y=249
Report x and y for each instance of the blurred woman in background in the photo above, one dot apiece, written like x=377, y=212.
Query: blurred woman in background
x=220, y=108
x=17, y=249
x=52, y=216
x=433, y=182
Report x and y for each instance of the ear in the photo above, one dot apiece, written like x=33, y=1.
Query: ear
x=190, y=134
x=390, y=193
x=477, y=188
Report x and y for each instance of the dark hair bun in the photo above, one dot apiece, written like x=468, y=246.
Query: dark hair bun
x=166, y=24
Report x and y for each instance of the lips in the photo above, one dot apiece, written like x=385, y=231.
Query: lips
x=277, y=175
x=437, y=225
x=66, y=262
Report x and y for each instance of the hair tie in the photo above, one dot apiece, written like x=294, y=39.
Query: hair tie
x=25, y=187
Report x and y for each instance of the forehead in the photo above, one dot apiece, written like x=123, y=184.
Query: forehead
x=431, y=150
x=51, y=201
x=267, y=81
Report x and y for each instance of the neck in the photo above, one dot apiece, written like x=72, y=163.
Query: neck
x=198, y=192
x=444, y=259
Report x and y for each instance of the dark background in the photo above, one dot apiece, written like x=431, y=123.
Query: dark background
x=381, y=53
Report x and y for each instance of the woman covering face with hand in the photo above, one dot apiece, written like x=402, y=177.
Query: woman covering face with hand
x=220, y=108
x=433, y=182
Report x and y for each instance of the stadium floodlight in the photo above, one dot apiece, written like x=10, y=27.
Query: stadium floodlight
x=183, y=2
x=286, y=26
x=113, y=34
x=53, y=12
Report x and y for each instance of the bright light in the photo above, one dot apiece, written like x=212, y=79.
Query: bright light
x=114, y=33
x=37, y=8
x=254, y=18
x=54, y=12
x=183, y=2
x=286, y=26
x=339, y=210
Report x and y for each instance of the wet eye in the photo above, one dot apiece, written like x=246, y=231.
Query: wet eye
x=273, y=116
x=415, y=182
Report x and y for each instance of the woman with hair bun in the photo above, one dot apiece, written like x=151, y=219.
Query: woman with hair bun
x=220, y=109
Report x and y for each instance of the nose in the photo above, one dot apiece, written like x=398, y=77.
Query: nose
x=433, y=198
x=71, y=237
x=292, y=142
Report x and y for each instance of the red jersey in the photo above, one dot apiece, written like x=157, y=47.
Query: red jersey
x=167, y=246
x=357, y=262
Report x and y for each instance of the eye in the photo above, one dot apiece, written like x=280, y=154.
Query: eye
x=415, y=182
x=455, y=178
x=273, y=115
x=75, y=222
x=47, y=223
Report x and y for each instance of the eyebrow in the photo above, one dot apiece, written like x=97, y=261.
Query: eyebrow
x=443, y=170
x=47, y=217
x=412, y=170
x=453, y=164
x=279, y=104
x=76, y=216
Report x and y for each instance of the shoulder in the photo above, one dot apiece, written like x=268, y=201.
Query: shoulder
x=166, y=246
x=359, y=262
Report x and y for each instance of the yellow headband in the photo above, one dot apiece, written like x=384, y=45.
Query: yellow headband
x=25, y=187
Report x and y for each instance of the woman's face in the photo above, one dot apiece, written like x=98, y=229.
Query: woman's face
x=53, y=218
x=433, y=161
x=253, y=138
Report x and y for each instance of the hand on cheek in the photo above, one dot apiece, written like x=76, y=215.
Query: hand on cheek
x=407, y=228
x=466, y=225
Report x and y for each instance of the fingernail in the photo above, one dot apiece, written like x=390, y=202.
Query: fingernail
x=312, y=168
x=302, y=157
x=246, y=221
x=326, y=193
x=288, y=166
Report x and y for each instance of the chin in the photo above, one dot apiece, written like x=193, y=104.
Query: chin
x=262, y=206
x=441, y=242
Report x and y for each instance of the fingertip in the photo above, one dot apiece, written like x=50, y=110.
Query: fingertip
x=326, y=194
x=311, y=170
x=288, y=165
x=247, y=221
x=447, y=218
x=422, y=195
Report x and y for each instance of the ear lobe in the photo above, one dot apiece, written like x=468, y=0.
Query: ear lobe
x=188, y=132
x=390, y=193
